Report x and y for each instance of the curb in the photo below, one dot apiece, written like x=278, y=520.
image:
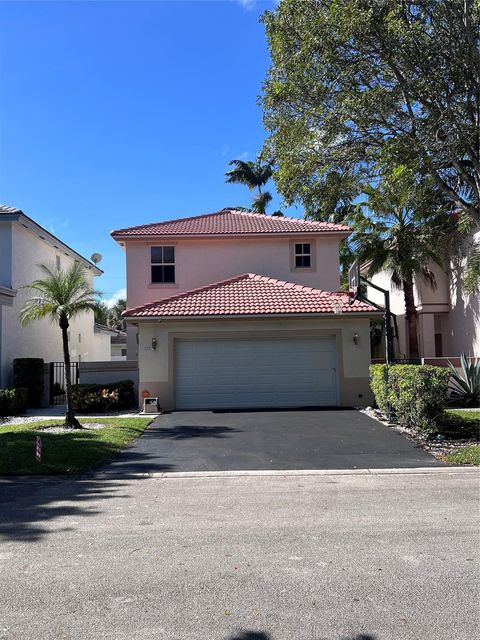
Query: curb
x=174, y=475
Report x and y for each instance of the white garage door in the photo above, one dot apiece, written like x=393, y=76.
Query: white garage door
x=256, y=372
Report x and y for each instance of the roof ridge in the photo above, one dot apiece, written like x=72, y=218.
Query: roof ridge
x=179, y=296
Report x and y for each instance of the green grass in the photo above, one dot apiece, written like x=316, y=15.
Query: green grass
x=460, y=424
x=464, y=455
x=71, y=452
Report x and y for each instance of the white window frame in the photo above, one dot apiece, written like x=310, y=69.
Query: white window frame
x=163, y=264
x=303, y=254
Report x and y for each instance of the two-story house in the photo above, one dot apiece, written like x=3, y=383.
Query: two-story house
x=24, y=244
x=236, y=309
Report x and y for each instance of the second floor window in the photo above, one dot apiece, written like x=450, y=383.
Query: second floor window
x=303, y=255
x=162, y=264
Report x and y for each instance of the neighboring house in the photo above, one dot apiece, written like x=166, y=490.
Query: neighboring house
x=23, y=245
x=119, y=345
x=448, y=318
x=235, y=309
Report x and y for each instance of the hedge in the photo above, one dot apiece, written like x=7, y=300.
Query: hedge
x=28, y=373
x=417, y=394
x=13, y=401
x=88, y=398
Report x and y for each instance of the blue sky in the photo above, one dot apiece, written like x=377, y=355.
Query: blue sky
x=119, y=113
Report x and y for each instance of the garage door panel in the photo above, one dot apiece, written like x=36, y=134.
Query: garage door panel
x=257, y=372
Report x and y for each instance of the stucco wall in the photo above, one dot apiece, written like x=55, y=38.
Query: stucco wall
x=156, y=368
x=202, y=262
x=41, y=339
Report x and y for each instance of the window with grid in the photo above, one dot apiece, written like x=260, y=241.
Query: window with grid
x=163, y=264
x=303, y=255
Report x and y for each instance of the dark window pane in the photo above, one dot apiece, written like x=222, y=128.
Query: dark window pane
x=169, y=274
x=306, y=248
x=168, y=254
x=302, y=261
x=157, y=255
x=298, y=248
x=306, y=261
x=157, y=274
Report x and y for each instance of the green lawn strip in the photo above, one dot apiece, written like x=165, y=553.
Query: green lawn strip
x=460, y=424
x=69, y=452
x=464, y=455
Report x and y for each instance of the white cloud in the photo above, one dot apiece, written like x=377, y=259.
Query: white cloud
x=121, y=293
x=247, y=4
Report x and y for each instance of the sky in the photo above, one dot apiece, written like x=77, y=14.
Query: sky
x=114, y=114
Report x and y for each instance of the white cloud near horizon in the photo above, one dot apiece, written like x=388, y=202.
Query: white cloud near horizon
x=121, y=293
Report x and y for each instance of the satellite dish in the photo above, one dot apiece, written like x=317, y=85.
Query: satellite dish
x=96, y=258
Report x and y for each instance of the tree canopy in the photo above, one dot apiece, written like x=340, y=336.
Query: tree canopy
x=359, y=87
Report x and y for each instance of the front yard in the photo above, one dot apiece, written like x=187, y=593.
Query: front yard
x=65, y=452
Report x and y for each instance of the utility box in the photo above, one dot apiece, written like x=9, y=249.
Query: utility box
x=150, y=405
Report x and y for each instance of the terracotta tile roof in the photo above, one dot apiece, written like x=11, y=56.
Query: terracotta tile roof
x=250, y=294
x=4, y=209
x=230, y=222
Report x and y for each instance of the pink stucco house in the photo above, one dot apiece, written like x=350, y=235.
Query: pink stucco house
x=234, y=309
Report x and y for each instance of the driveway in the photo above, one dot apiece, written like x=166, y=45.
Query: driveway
x=269, y=440
x=333, y=557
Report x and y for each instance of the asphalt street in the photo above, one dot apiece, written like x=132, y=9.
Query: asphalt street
x=330, y=557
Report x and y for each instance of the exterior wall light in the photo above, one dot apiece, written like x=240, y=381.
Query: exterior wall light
x=355, y=339
x=154, y=343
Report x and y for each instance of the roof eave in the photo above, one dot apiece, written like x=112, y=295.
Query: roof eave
x=274, y=234
x=18, y=216
x=343, y=314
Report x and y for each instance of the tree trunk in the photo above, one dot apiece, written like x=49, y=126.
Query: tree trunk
x=70, y=421
x=411, y=314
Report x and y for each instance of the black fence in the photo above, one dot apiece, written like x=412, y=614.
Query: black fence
x=57, y=380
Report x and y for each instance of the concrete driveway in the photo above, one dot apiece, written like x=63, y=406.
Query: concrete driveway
x=269, y=440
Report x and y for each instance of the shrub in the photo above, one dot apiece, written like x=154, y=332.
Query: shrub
x=28, y=373
x=465, y=387
x=13, y=401
x=89, y=398
x=416, y=393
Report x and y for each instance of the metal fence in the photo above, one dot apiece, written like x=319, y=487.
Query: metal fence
x=58, y=382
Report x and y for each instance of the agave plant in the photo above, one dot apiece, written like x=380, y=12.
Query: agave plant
x=465, y=386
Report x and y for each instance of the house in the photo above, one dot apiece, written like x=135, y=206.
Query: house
x=234, y=309
x=119, y=345
x=23, y=245
x=448, y=318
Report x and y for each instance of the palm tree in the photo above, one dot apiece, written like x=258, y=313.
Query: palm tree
x=254, y=175
x=60, y=296
x=403, y=228
x=115, y=319
x=101, y=313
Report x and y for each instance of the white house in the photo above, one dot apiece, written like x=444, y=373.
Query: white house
x=23, y=245
x=448, y=318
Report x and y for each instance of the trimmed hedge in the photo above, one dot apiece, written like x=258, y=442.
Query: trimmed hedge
x=89, y=398
x=13, y=401
x=28, y=374
x=417, y=394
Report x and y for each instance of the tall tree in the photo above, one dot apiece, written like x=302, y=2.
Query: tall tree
x=254, y=175
x=115, y=315
x=60, y=296
x=357, y=87
x=402, y=228
x=101, y=313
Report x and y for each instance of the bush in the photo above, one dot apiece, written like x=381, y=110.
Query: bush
x=13, y=401
x=417, y=394
x=28, y=373
x=89, y=398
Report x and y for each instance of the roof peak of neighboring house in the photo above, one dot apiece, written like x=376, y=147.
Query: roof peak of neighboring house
x=251, y=294
x=230, y=222
x=14, y=213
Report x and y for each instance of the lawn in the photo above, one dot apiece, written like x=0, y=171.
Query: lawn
x=460, y=424
x=70, y=452
x=464, y=455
